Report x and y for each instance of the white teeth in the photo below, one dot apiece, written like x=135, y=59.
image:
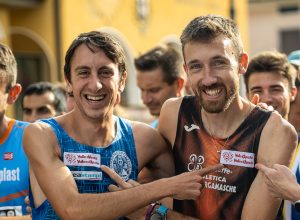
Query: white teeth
x=212, y=92
x=95, y=98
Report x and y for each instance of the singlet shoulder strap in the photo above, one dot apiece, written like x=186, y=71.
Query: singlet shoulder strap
x=123, y=127
x=58, y=130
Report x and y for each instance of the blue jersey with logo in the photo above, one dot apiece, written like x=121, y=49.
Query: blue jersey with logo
x=84, y=162
x=289, y=211
x=14, y=172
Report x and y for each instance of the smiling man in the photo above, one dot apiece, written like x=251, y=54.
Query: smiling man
x=217, y=125
x=66, y=153
x=272, y=77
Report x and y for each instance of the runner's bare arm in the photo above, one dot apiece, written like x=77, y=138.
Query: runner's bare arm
x=152, y=152
x=57, y=183
x=189, y=176
x=277, y=143
x=168, y=119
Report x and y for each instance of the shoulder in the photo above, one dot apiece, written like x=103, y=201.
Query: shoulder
x=277, y=125
x=37, y=132
x=145, y=134
x=278, y=136
x=170, y=109
x=168, y=118
x=172, y=103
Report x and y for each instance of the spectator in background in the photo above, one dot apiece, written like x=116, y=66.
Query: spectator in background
x=294, y=116
x=43, y=100
x=272, y=77
x=14, y=171
x=159, y=77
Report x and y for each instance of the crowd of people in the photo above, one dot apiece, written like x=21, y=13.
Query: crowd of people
x=211, y=154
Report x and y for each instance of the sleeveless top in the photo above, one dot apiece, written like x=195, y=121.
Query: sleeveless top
x=289, y=210
x=14, y=171
x=225, y=190
x=84, y=162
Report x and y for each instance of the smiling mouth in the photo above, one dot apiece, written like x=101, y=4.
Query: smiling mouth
x=95, y=98
x=212, y=92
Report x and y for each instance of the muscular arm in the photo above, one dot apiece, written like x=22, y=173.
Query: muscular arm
x=56, y=182
x=154, y=154
x=277, y=143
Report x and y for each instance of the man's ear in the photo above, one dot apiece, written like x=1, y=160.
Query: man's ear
x=14, y=93
x=68, y=86
x=243, y=63
x=185, y=68
x=293, y=93
x=180, y=86
x=122, y=82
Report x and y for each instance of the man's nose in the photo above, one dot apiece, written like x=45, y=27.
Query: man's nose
x=146, y=97
x=208, y=76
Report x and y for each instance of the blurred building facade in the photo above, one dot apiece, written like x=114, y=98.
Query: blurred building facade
x=274, y=24
x=40, y=31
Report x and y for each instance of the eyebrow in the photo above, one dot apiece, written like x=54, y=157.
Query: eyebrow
x=81, y=67
x=213, y=58
x=192, y=62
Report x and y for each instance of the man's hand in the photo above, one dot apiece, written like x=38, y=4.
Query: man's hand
x=281, y=181
x=188, y=185
x=255, y=101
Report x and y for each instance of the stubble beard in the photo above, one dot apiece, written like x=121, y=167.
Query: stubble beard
x=220, y=105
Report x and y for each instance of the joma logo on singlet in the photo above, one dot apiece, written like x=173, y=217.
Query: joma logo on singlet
x=7, y=175
x=190, y=128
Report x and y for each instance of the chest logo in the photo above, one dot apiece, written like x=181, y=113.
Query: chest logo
x=192, y=127
x=195, y=162
x=237, y=158
x=121, y=164
x=82, y=159
x=8, y=156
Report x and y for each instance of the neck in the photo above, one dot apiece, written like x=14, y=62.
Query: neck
x=4, y=124
x=94, y=133
x=223, y=124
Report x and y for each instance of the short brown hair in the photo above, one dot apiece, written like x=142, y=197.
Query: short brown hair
x=207, y=28
x=8, y=64
x=100, y=40
x=273, y=62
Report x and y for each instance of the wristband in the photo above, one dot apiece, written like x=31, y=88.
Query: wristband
x=150, y=210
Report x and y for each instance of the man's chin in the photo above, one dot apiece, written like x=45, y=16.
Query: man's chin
x=154, y=113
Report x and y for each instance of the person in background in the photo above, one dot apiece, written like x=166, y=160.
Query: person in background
x=294, y=115
x=271, y=76
x=43, y=100
x=14, y=170
x=159, y=77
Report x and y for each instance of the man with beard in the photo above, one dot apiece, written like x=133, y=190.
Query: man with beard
x=217, y=125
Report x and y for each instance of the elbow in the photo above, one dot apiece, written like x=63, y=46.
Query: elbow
x=70, y=212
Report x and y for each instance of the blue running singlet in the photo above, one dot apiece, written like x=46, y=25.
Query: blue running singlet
x=84, y=162
x=14, y=171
